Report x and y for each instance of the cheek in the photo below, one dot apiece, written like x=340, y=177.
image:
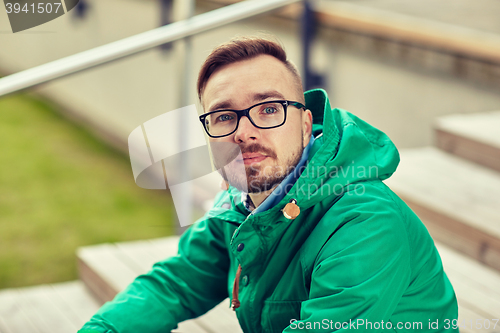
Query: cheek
x=286, y=143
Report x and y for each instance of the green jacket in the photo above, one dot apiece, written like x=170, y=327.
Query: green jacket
x=356, y=258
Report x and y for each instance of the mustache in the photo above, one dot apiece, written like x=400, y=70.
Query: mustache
x=258, y=148
x=224, y=152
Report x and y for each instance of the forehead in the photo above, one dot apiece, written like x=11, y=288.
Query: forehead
x=240, y=84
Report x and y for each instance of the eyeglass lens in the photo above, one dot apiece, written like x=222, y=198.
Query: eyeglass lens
x=265, y=116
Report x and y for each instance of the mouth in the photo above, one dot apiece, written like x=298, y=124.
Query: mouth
x=251, y=158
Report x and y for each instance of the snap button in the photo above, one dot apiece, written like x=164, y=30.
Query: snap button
x=291, y=210
x=240, y=247
x=244, y=280
x=226, y=205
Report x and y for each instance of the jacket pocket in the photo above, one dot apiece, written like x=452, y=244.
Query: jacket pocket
x=277, y=315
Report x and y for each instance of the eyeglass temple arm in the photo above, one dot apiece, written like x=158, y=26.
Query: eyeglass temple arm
x=297, y=105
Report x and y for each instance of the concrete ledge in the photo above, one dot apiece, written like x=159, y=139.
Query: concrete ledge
x=457, y=200
x=473, y=137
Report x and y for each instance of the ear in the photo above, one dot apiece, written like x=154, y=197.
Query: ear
x=306, y=127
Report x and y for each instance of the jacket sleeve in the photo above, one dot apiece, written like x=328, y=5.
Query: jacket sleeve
x=178, y=288
x=360, y=273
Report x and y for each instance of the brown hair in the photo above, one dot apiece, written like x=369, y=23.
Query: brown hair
x=244, y=48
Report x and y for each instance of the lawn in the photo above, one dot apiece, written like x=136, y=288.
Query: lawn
x=61, y=188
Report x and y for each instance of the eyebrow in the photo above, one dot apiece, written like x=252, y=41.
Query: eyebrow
x=268, y=94
x=258, y=97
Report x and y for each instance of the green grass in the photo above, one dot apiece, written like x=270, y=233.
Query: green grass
x=60, y=188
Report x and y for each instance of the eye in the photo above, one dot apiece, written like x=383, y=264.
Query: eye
x=224, y=117
x=269, y=110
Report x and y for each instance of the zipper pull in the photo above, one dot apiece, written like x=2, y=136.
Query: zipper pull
x=235, y=302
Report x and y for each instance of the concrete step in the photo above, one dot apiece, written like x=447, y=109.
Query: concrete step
x=55, y=308
x=108, y=268
x=459, y=201
x=477, y=287
x=475, y=137
x=65, y=307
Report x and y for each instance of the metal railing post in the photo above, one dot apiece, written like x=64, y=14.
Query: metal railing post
x=187, y=195
x=310, y=79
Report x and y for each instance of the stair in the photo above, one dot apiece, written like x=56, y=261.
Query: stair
x=65, y=307
x=108, y=268
x=477, y=286
x=459, y=201
x=455, y=190
x=475, y=137
x=105, y=269
x=56, y=308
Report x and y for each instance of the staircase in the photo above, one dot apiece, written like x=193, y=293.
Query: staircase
x=473, y=137
x=108, y=268
x=454, y=188
x=104, y=270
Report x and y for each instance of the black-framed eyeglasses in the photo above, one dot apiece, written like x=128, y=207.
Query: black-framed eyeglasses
x=263, y=115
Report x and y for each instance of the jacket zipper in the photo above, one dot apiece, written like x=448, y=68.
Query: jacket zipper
x=235, y=302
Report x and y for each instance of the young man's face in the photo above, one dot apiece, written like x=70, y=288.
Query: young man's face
x=268, y=154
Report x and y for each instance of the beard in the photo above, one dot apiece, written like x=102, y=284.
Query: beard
x=256, y=178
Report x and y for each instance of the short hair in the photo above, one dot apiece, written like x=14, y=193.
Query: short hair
x=244, y=48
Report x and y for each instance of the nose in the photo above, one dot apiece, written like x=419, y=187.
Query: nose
x=246, y=131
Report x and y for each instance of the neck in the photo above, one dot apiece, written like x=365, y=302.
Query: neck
x=258, y=198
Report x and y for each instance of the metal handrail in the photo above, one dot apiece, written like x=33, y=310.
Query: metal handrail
x=138, y=43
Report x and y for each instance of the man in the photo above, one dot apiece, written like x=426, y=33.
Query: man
x=316, y=243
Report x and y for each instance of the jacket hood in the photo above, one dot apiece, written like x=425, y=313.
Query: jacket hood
x=346, y=152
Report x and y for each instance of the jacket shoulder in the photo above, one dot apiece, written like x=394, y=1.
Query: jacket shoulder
x=367, y=211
